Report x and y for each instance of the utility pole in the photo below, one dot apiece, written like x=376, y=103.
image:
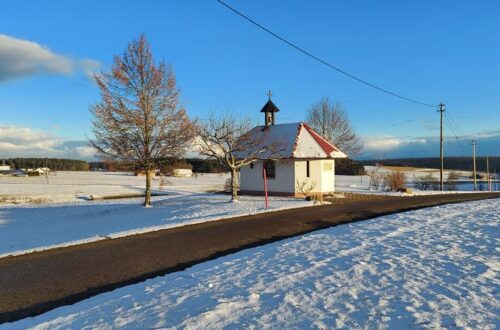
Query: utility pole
x=495, y=180
x=441, y=155
x=488, y=173
x=474, y=164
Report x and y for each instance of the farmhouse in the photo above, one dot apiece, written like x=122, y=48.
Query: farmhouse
x=299, y=161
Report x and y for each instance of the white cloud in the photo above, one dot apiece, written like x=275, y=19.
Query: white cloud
x=484, y=134
x=18, y=141
x=23, y=138
x=389, y=143
x=85, y=151
x=380, y=147
x=89, y=66
x=22, y=58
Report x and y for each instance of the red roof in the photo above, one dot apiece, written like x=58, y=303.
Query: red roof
x=324, y=144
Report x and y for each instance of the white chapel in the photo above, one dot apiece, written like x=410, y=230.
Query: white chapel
x=304, y=159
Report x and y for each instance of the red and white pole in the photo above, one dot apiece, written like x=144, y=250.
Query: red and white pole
x=265, y=185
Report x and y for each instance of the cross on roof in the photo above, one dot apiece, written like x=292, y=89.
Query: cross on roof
x=269, y=94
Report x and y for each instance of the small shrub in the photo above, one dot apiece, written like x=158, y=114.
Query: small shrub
x=305, y=187
x=478, y=176
x=427, y=182
x=450, y=183
x=453, y=176
x=395, y=180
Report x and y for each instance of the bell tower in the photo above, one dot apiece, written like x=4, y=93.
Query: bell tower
x=269, y=110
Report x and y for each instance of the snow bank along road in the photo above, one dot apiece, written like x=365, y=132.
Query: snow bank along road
x=30, y=228
x=35, y=283
x=430, y=268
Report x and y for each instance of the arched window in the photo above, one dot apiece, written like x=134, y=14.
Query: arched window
x=270, y=167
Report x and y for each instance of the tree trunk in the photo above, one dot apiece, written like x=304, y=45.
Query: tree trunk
x=234, y=185
x=147, y=199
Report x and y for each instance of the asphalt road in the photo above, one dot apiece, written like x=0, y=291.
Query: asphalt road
x=38, y=282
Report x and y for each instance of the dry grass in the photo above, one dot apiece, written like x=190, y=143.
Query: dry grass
x=10, y=199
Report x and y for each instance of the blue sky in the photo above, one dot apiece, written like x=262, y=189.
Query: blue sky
x=427, y=50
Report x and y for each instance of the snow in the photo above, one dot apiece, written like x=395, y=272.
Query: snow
x=26, y=228
x=58, y=213
x=430, y=268
x=281, y=137
x=293, y=140
x=359, y=184
x=67, y=186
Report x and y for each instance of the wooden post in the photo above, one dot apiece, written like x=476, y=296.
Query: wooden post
x=488, y=179
x=441, y=155
x=265, y=185
x=474, y=163
x=495, y=180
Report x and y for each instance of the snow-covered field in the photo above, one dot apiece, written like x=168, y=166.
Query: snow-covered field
x=361, y=183
x=431, y=268
x=78, y=186
x=66, y=217
x=28, y=228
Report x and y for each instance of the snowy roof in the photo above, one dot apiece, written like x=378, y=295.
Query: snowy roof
x=295, y=140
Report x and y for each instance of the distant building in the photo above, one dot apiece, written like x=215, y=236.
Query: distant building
x=183, y=172
x=140, y=172
x=40, y=170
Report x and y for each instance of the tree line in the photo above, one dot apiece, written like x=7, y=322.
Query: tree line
x=198, y=165
x=55, y=164
x=450, y=163
x=165, y=166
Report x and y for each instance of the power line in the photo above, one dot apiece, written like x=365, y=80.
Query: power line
x=456, y=125
x=453, y=127
x=455, y=134
x=323, y=61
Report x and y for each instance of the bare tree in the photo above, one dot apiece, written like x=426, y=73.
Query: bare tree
x=138, y=120
x=331, y=122
x=376, y=179
x=234, y=145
